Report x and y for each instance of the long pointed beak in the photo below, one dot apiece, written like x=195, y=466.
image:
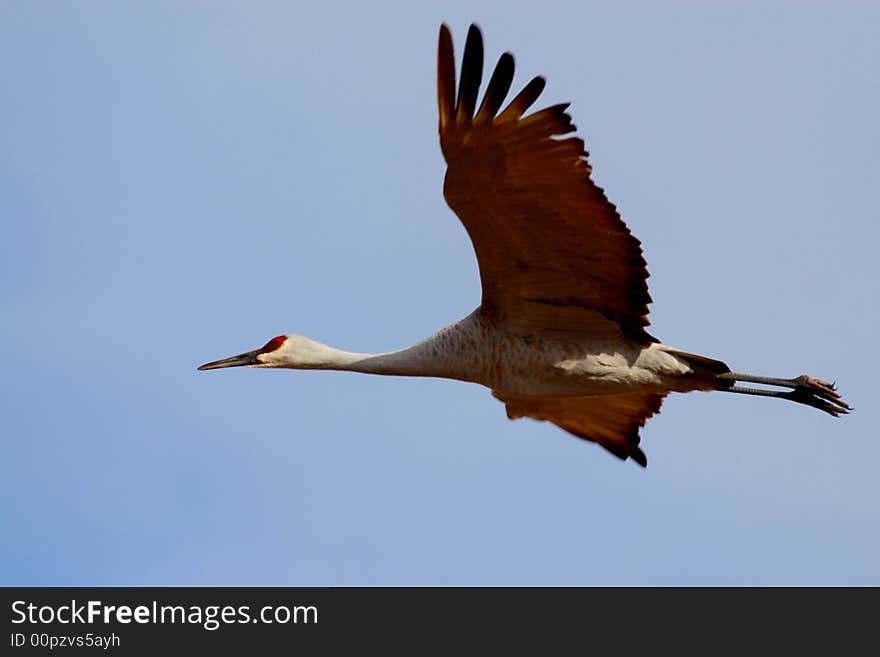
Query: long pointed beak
x=242, y=360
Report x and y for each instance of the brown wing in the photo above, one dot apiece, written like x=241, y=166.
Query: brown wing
x=613, y=421
x=545, y=236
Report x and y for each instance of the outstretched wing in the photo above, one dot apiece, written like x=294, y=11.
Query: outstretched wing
x=551, y=248
x=613, y=421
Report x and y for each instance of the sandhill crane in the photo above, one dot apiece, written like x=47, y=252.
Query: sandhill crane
x=560, y=334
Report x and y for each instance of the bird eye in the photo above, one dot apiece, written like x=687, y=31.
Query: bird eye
x=273, y=344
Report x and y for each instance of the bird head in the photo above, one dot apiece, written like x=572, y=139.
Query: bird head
x=290, y=351
x=270, y=354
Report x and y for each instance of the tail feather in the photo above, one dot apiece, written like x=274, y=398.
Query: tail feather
x=700, y=364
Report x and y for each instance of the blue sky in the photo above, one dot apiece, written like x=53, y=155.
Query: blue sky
x=182, y=181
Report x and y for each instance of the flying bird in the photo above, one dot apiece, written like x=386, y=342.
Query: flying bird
x=561, y=332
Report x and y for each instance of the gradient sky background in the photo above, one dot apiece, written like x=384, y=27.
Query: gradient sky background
x=182, y=181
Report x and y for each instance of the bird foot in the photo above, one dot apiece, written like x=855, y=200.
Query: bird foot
x=819, y=394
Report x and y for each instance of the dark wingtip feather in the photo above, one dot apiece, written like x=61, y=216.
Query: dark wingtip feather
x=496, y=91
x=639, y=457
x=524, y=99
x=471, y=75
x=445, y=76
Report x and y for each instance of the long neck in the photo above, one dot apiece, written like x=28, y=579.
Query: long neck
x=419, y=360
x=450, y=354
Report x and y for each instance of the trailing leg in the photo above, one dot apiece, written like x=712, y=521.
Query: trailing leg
x=804, y=390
